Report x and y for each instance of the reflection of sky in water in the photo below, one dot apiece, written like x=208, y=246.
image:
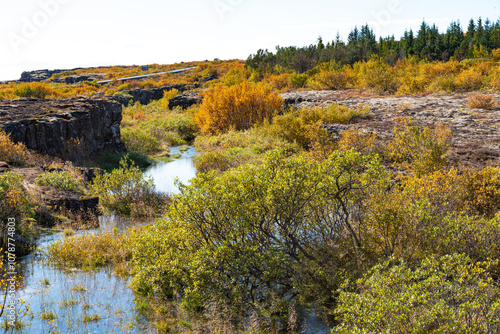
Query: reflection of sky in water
x=164, y=173
x=106, y=295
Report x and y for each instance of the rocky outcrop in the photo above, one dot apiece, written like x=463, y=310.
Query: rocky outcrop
x=475, y=140
x=72, y=79
x=145, y=96
x=72, y=204
x=40, y=75
x=70, y=129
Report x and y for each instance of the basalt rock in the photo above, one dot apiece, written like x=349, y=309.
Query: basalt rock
x=75, y=205
x=70, y=129
x=72, y=79
x=145, y=96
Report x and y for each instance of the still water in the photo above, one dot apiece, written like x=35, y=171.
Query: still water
x=77, y=298
x=98, y=301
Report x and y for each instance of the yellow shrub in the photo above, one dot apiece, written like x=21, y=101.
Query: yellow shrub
x=322, y=143
x=237, y=107
x=329, y=80
x=363, y=142
x=469, y=80
x=445, y=83
x=11, y=152
x=424, y=149
x=482, y=193
x=278, y=82
x=376, y=75
x=295, y=126
x=495, y=54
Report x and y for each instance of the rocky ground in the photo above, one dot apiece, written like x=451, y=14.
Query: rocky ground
x=475, y=132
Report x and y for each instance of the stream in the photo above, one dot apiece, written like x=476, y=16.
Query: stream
x=98, y=301
x=77, y=297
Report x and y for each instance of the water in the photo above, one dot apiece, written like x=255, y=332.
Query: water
x=74, y=294
x=164, y=173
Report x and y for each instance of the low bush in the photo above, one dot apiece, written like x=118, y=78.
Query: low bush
x=140, y=141
x=298, y=80
x=128, y=192
x=36, y=90
x=258, y=238
x=482, y=101
x=15, y=201
x=449, y=294
x=294, y=126
x=329, y=80
x=60, y=180
x=422, y=148
x=11, y=152
x=237, y=107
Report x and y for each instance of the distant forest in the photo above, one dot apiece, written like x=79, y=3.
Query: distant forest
x=479, y=39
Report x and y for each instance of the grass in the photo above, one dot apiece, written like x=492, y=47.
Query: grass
x=90, y=318
x=48, y=316
x=152, y=129
x=78, y=288
x=235, y=148
x=91, y=250
x=68, y=303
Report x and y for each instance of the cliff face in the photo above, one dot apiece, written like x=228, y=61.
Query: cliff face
x=145, y=96
x=70, y=129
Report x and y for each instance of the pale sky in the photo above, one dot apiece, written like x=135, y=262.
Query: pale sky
x=40, y=34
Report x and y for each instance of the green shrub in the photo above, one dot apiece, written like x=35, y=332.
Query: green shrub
x=60, y=180
x=36, y=90
x=249, y=238
x=127, y=191
x=298, y=80
x=450, y=294
x=137, y=140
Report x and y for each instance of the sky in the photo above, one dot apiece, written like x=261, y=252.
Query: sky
x=63, y=34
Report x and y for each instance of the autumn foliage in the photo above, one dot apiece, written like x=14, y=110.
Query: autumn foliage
x=237, y=107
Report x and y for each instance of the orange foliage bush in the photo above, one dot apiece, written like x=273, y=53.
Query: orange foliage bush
x=482, y=101
x=237, y=107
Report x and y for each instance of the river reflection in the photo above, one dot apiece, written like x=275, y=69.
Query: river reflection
x=164, y=173
x=75, y=296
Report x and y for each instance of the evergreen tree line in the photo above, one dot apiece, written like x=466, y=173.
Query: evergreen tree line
x=479, y=38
